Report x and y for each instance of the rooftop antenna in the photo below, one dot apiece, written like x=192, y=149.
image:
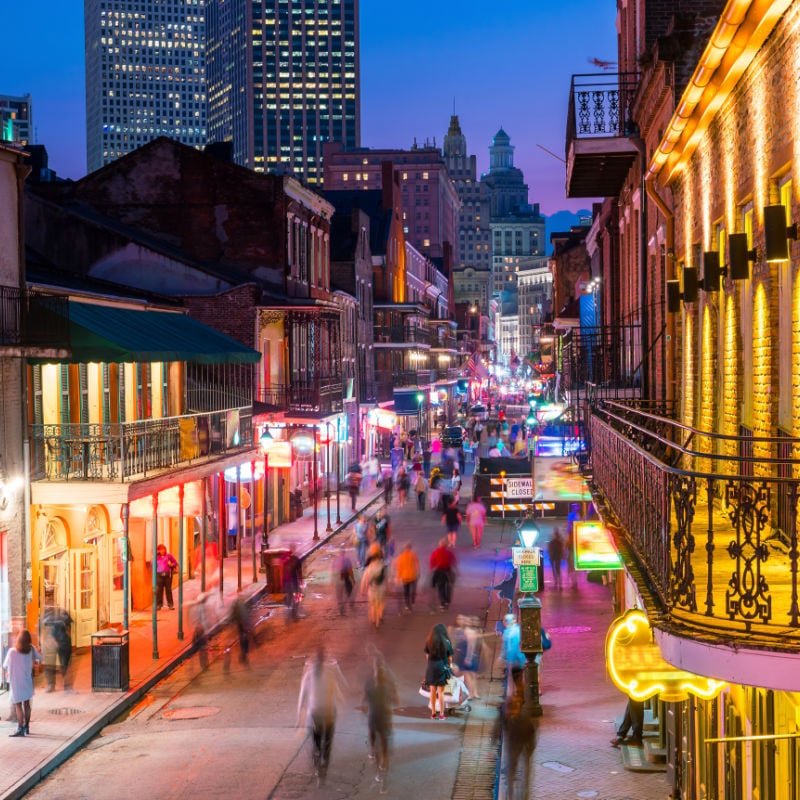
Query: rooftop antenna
x=454, y=105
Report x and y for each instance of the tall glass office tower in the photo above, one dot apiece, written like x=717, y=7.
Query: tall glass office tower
x=145, y=75
x=283, y=79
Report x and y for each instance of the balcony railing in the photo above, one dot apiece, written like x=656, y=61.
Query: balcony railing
x=600, y=108
x=711, y=518
x=31, y=319
x=444, y=342
x=304, y=399
x=127, y=450
x=408, y=334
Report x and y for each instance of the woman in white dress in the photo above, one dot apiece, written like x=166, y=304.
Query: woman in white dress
x=19, y=670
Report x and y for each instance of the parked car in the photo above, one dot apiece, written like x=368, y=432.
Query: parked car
x=479, y=411
x=453, y=436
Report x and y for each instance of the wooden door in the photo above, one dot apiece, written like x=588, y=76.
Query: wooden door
x=83, y=595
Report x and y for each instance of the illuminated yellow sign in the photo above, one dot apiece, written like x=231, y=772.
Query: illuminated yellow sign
x=594, y=548
x=637, y=668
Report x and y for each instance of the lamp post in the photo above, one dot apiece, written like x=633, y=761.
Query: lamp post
x=265, y=441
x=338, y=474
x=328, y=527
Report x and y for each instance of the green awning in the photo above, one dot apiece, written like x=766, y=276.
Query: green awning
x=113, y=334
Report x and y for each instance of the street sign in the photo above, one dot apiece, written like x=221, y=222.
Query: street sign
x=529, y=556
x=518, y=488
x=594, y=547
x=528, y=578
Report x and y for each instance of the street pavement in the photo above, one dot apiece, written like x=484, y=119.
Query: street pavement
x=231, y=729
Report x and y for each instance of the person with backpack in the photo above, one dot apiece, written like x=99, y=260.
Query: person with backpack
x=373, y=585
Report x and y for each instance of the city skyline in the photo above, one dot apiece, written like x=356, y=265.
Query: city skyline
x=414, y=67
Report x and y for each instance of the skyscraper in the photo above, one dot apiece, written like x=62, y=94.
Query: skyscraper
x=145, y=75
x=283, y=79
x=16, y=119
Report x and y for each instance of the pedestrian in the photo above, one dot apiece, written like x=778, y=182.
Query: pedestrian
x=439, y=651
x=633, y=721
x=321, y=689
x=435, y=492
x=388, y=486
x=18, y=666
x=361, y=541
x=468, y=647
x=57, y=647
x=292, y=581
x=380, y=694
x=426, y=457
x=165, y=566
x=443, y=568
x=382, y=528
x=199, y=617
x=513, y=656
x=452, y=521
x=455, y=481
x=420, y=487
x=373, y=585
x=345, y=580
x=476, y=519
x=555, y=551
x=406, y=567
x=240, y=614
x=403, y=485
x=353, y=487
x=519, y=741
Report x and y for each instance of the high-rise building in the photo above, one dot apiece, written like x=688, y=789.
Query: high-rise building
x=473, y=248
x=504, y=183
x=283, y=79
x=16, y=119
x=145, y=75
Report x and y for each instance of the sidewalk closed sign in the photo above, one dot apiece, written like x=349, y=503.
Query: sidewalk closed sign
x=529, y=556
x=518, y=488
x=528, y=578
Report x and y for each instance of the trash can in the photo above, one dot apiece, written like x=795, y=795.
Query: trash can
x=110, y=661
x=272, y=560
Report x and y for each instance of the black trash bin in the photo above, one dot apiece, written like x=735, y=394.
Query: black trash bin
x=272, y=560
x=110, y=661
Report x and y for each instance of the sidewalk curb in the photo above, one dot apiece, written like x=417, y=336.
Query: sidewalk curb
x=132, y=697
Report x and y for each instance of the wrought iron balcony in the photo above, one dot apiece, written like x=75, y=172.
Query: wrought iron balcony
x=128, y=450
x=444, y=342
x=304, y=398
x=600, y=147
x=405, y=334
x=33, y=320
x=712, y=520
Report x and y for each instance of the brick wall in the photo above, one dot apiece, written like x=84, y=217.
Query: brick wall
x=748, y=148
x=232, y=313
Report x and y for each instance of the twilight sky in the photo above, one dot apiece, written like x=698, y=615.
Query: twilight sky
x=506, y=63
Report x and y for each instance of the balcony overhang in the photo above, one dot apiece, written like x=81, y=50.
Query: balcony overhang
x=597, y=167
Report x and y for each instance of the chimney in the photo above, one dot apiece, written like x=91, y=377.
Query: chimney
x=388, y=179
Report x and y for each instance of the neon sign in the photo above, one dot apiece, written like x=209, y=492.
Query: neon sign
x=594, y=548
x=637, y=668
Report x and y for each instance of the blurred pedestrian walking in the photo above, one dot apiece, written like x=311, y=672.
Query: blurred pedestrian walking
x=345, y=580
x=200, y=621
x=380, y=694
x=240, y=615
x=439, y=651
x=555, y=551
x=57, y=647
x=468, y=647
x=353, y=486
x=519, y=741
x=292, y=583
x=388, y=486
x=452, y=521
x=361, y=539
x=18, y=666
x=406, y=567
x=513, y=656
x=373, y=585
x=476, y=520
x=321, y=689
x=420, y=487
x=443, y=572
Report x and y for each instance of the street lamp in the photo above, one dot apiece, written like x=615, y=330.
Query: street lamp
x=265, y=440
x=328, y=528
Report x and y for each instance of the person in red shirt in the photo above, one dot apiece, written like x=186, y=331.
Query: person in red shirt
x=443, y=568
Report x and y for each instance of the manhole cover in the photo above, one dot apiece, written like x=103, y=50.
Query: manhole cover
x=192, y=712
x=65, y=711
x=557, y=766
x=570, y=629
